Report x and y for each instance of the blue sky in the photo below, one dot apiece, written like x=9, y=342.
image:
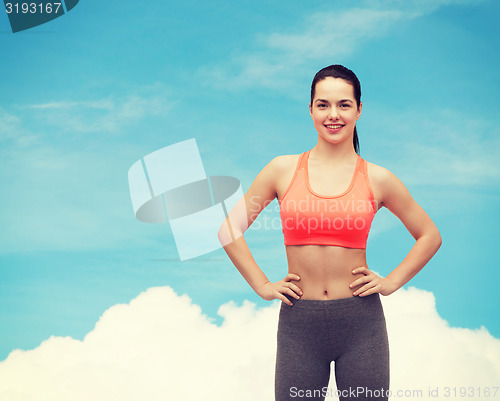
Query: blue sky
x=86, y=95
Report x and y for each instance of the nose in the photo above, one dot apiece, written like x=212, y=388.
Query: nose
x=334, y=115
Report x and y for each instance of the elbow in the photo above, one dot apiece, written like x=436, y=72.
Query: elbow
x=432, y=239
x=228, y=233
x=436, y=239
x=224, y=233
x=439, y=241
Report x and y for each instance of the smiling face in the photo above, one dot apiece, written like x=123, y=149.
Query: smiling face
x=334, y=110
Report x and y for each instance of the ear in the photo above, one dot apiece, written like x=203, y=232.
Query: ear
x=310, y=109
x=359, y=109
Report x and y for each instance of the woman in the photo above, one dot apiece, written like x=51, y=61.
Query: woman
x=328, y=196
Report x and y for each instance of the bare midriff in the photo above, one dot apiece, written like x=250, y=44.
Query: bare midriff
x=325, y=271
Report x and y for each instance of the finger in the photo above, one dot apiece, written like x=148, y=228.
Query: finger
x=359, y=281
x=291, y=292
x=291, y=285
x=284, y=299
x=292, y=276
x=370, y=291
x=366, y=287
x=361, y=269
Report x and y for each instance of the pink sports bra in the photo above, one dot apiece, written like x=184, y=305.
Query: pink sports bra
x=308, y=218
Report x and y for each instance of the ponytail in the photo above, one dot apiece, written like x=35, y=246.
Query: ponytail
x=355, y=141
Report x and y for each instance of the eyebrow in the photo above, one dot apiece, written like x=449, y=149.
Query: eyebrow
x=340, y=101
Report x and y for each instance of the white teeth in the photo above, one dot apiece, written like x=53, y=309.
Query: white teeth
x=333, y=126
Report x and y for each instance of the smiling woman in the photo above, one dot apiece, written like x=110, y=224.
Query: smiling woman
x=328, y=196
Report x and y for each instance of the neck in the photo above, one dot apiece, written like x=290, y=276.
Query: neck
x=328, y=152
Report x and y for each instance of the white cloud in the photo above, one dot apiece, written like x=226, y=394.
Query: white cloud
x=160, y=346
x=332, y=33
x=427, y=352
x=98, y=104
x=108, y=114
x=276, y=57
x=8, y=124
x=11, y=129
x=417, y=7
x=275, y=61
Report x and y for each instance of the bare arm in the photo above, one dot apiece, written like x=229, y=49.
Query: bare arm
x=396, y=197
x=259, y=195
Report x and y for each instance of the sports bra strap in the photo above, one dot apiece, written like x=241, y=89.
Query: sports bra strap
x=363, y=167
x=303, y=160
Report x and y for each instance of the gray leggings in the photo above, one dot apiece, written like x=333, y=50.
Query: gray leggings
x=349, y=331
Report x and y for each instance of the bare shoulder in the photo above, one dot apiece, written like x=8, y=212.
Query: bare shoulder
x=379, y=175
x=283, y=164
x=384, y=183
x=281, y=170
x=276, y=170
x=279, y=166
